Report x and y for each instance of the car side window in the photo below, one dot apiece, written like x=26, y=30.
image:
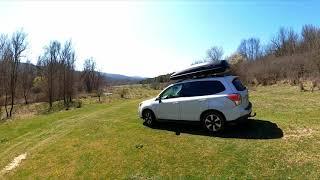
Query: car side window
x=202, y=88
x=172, y=92
x=238, y=85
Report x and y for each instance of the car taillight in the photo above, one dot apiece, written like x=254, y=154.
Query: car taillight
x=236, y=98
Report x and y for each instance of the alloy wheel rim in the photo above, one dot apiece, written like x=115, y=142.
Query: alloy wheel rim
x=148, y=118
x=213, y=122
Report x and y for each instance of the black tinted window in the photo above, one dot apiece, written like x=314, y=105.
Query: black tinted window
x=238, y=85
x=201, y=88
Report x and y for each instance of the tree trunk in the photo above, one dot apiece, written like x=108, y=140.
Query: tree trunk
x=50, y=101
x=301, y=87
x=50, y=87
x=64, y=87
x=6, y=105
x=11, y=108
x=25, y=97
x=11, y=93
x=14, y=77
x=50, y=96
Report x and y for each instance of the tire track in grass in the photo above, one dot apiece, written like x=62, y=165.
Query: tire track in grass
x=56, y=130
x=40, y=131
x=15, y=163
x=62, y=126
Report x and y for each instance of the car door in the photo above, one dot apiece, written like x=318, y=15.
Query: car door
x=193, y=102
x=169, y=106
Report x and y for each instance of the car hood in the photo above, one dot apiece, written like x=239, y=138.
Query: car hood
x=149, y=101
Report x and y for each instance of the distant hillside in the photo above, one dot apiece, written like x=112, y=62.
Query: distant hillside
x=119, y=79
x=159, y=79
x=112, y=79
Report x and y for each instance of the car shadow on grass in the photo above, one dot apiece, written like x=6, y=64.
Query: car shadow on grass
x=253, y=129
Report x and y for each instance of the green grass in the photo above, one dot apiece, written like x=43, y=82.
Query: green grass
x=108, y=140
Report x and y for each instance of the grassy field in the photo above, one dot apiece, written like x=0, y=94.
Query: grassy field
x=109, y=140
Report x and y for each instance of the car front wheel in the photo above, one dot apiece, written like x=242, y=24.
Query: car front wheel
x=213, y=122
x=148, y=117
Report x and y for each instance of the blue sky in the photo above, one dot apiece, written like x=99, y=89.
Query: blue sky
x=149, y=38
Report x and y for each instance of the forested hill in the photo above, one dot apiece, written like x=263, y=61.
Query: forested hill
x=159, y=79
x=112, y=79
x=119, y=79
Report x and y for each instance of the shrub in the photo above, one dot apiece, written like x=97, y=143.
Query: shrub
x=155, y=85
x=78, y=104
x=124, y=93
x=270, y=70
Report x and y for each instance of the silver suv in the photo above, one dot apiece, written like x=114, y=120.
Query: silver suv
x=213, y=101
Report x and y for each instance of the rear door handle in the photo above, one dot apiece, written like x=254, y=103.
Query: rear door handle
x=175, y=102
x=201, y=100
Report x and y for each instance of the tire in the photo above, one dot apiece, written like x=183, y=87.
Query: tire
x=213, y=122
x=148, y=117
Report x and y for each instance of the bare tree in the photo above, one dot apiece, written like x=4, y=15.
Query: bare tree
x=93, y=80
x=250, y=48
x=198, y=61
x=5, y=71
x=98, y=84
x=236, y=58
x=49, y=63
x=67, y=60
x=310, y=38
x=26, y=79
x=88, y=74
x=285, y=42
x=3, y=42
x=14, y=52
x=215, y=53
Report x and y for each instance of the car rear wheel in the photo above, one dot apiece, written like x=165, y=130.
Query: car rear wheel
x=213, y=122
x=148, y=117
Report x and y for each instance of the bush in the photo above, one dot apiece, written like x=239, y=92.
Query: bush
x=270, y=70
x=124, y=93
x=155, y=85
x=78, y=103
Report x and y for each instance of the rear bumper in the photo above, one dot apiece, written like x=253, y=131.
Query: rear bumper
x=249, y=107
x=243, y=118
x=239, y=113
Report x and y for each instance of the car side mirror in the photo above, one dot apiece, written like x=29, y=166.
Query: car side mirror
x=158, y=99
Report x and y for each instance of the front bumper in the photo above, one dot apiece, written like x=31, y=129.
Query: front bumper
x=140, y=111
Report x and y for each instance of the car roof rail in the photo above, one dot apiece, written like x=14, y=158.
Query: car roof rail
x=223, y=74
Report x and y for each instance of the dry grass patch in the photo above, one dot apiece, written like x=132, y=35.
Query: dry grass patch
x=298, y=133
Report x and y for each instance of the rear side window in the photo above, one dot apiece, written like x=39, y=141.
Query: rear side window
x=238, y=85
x=201, y=88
